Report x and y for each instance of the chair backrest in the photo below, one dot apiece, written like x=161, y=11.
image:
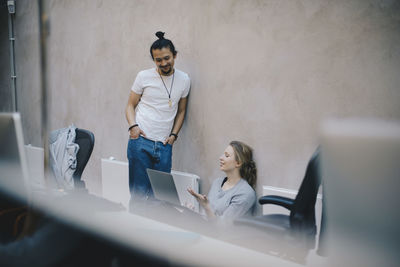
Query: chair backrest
x=85, y=140
x=302, y=215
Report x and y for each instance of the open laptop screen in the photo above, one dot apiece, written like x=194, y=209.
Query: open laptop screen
x=13, y=167
x=163, y=186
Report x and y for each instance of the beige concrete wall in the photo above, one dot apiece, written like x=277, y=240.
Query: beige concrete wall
x=27, y=69
x=264, y=72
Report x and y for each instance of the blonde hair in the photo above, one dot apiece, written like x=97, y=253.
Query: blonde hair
x=244, y=155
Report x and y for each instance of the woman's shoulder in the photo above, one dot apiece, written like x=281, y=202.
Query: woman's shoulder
x=244, y=187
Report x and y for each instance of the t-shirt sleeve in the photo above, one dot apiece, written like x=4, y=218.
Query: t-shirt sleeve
x=187, y=87
x=137, y=86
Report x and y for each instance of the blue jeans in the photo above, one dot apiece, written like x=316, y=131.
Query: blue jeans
x=142, y=154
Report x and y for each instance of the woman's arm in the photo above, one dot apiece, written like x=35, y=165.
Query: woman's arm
x=203, y=201
x=240, y=205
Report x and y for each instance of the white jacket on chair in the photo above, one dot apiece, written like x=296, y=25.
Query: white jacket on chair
x=63, y=152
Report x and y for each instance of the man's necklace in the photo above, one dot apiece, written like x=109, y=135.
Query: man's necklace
x=170, y=91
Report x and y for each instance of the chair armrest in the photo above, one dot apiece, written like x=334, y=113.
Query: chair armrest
x=277, y=200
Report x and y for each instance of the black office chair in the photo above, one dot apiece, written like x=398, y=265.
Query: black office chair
x=300, y=225
x=85, y=140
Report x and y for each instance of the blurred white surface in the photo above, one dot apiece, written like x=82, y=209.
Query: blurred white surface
x=361, y=171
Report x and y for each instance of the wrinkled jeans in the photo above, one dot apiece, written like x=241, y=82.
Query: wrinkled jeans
x=142, y=154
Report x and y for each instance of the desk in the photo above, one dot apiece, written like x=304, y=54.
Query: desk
x=189, y=244
x=175, y=244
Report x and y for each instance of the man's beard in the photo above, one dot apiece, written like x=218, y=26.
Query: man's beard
x=169, y=71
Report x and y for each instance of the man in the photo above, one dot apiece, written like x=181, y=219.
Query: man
x=155, y=113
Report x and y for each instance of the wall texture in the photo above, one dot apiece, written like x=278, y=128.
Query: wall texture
x=264, y=72
x=27, y=69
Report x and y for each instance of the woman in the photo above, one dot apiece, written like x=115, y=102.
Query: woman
x=232, y=196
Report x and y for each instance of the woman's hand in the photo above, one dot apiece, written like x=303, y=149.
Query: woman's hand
x=203, y=201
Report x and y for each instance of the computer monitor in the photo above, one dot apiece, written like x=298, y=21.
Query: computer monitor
x=13, y=164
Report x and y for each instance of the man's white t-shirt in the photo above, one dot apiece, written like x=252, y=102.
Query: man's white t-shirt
x=153, y=113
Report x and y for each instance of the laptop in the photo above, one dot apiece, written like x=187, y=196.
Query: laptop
x=14, y=177
x=164, y=186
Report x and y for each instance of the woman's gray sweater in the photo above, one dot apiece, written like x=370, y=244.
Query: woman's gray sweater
x=234, y=202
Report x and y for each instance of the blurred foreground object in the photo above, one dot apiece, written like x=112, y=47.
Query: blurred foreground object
x=361, y=172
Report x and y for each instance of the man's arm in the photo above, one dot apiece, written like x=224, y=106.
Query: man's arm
x=179, y=118
x=130, y=115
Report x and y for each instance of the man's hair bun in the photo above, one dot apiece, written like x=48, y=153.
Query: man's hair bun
x=160, y=35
